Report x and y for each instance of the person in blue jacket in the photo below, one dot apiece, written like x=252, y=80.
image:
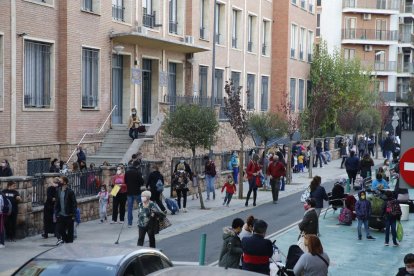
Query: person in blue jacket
x=234, y=162
x=352, y=167
x=363, y=212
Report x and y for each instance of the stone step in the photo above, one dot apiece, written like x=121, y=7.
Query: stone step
x=117, y=140
x=104, y=151
x=98, y=161
x=118, y=126
x=122, y=146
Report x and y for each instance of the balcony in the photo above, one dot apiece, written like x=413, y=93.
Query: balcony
x=173, y=27
x=407, y=38
x=369, y=36
x=118, y=13
x=407, y=8
x=406, y=68
x=388, y=96
x=148, y=19
x=371, y=6
x=377, y=67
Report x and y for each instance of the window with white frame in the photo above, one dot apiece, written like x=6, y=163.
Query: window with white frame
x=311, y=6
x=265, y=94
x=294, y=2
x=173, y=26
x=251, y=35
x=1, y=74
x=250, y=88
x=310, y=46
x=37, y=74
x=93, y=6
x=318, y=25
x=266, y=38
x=218, y=84
x=235, y=77
x=203, y=19
x=301, y=94
x=118, y=10
x=350, y=27
x=293, y=40
x=49, y=2
x=235, y=29
x=148, y=13
x=303, y=4
x=302, y=38
x=349, y=54
x=292, y=94
x=202, y=79
x=90, y=77
x=220, y=23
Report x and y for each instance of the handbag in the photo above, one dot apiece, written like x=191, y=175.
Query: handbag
x=400, y=231
x=164, y=223
x=115, y=190
x=141, y=129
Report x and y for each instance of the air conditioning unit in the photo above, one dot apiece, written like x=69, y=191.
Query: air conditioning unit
x=142, y=30
x=189, y=39
x=368, y=48
x=367, y=16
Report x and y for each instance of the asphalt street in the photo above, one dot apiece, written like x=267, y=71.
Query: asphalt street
x=185, y=247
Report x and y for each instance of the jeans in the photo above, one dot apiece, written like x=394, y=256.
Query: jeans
x=252, y=188
x=352, y=176
x=390, y=223
x=371, y=151
x=318, y=158
x=131, y=199
x=65, y=225
x=343, y=161
x=275, y=183
x=119, y=201
x=133, y=133
x=361, y=153
x=236, y=174
x=182, y=193
x=365, y=222
x=227, y=199
x=388, y=154
x=282, y=183
x=210, y=186
x=328, y=155
x=141, y=236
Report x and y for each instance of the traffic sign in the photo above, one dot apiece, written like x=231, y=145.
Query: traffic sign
x=407, y=167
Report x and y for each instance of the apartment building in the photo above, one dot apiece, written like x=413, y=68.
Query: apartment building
x=293, y=40
x=66, y=65
x=380, y=34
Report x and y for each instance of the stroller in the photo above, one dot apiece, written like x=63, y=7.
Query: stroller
x=292, y=258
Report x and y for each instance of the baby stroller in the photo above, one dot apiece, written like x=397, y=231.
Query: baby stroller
x=292, y=258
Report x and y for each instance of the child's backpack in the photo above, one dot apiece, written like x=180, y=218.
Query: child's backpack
x=393, y=208
x=159, y=186
x=5, y=205
x=345, y=217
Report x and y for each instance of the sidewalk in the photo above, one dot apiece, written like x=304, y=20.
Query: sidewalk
x=93, y=232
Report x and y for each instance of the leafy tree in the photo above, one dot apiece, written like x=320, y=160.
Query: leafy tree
x=267, y=126
x=239, y=121
x=190, y=127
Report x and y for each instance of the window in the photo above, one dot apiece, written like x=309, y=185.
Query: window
x=381, y=29
x=220, y=23
x=381, y=86
x=302, y=43
x=151, y=263
x=318, y=3
x=90, y=77
x=173, y=16
x=87, y=5
x=293, y=94
x=301, y=94
x=265, y=94
x=203, y=19
x=118, y=10
x=202, y=76
x=148, y=14
x=293, y=39
x=235, y=77
x=172, y=79
x=350, y=25
x=379, y=60
x=294, y=2
x=349, y=54
x=1, y=74
x=310, y=46
x=266, y=38
x=48, y=2
x=303, y=4
x=318, y=25
x=218, y=84
x=235, y=29
x=311, y=6
x=37, y=74
x=250, y=88
x=250, y=32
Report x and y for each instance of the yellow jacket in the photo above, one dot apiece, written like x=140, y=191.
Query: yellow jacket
x=133, y=122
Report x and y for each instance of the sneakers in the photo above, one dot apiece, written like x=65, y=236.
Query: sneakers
x=120, y=222
x=112, y=222
x=59, y=242
x=45, y=236
x=386, y=244
x=224, y=203
x=275, y=202
x=185, y=210
x=396, y=244
x=254, y=203
x=129, y=225
x=370, y=238
x=101, y=221
x=214, y=196
x=246, y=204
x=2, y=246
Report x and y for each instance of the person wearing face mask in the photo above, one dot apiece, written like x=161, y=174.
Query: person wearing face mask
x=119, y=201
x=309, y=223
x=5, y=169
x=49, y=217
x=408, y=269
x=54, y=166
x=103, y=196
x=146, y=210
x=363, y=212
x=133, y=124
x=231, y=250
x=186, y=167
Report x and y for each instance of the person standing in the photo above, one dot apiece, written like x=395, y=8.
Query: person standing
x=352, y=167
x=371, y=145
x=119, y=201
x=257, y=250
x=388, y=147
x=155, y=184
x=366, y=165
x=275, y=170
x=11, y=221
x=81, y=155
x=54, y=166
x=2, y=218
x=231, y=250
x=146, y=210
x=210, y=173
x=49, y=216
x=343, y=151
x=253, y=170
x=326, y=149
x=318, y=193
x=65, y=210
x=235, y=163
x=319, y=150
x=361, y=147
x=391, y=211
x=5, y=169
x=134, y=182
x=103, y=197
x=180, y=185
x=363, y=212
x=133, y=124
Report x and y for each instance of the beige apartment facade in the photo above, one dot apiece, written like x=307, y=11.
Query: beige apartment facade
x=65, y=66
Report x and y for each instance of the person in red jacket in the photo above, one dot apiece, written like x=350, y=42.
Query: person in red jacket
x=230, y=190
x=275, y=170
x=252, y=171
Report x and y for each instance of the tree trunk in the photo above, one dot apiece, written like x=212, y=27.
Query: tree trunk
x=311, y=157
x=241, y=170
x=200, y=194
x=377, y=135
x=289, y=164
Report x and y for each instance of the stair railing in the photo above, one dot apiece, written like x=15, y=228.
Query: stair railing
x=92, y=133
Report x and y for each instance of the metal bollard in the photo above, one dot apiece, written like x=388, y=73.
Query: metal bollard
x=348, y=186
x=202, y=255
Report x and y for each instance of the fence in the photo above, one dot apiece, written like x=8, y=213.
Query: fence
x=39, y=190
x=36, y=166
x=85, y=183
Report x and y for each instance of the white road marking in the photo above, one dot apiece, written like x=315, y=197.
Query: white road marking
x=408, y=166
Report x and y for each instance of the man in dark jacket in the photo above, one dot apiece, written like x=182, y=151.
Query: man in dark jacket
x=309, y=223
x=231, y=250
x=257, y=250
x=327, y=150
x=81, y=155
x=154, y=177
x=352, y=167
x=65, y=210
x=134, y=182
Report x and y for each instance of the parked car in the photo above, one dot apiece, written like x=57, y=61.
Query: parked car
x=202, y=271
x=102, y=259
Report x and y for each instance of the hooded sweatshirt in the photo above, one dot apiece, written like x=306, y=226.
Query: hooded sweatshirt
x=363, y=208
x=231, y=250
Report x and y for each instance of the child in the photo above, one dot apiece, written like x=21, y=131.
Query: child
x=194, y=185
x=76, y=223
x=295, y=163
x=230, y=190
x=408, y=269
x=363, y=212
x=345, y=217
x=103, y=196
x=11, y=221
x=301, y=159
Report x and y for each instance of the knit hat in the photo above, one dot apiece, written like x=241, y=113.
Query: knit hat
x=146, y=194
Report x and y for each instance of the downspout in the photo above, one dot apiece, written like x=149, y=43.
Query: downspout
x=13, y=101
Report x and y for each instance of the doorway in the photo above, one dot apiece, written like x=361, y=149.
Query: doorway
x=146, y=90
x=117, y=87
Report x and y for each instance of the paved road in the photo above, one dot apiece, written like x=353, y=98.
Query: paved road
x=185, y=247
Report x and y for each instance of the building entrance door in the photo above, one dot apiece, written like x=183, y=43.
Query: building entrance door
x=117, y=85
x=146, y=90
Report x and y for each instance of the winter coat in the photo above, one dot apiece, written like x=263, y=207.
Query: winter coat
x=231, y=250
x=133, y=181
x=352, y=164
x=252, y=167
x=388, y=144
x=344, y=151
x=309, y=223
x=152, y=184
x=319, y=195
x=365, y=166
x=363, y=209
x=256, y=253
x=230, y=188
x=69, y=201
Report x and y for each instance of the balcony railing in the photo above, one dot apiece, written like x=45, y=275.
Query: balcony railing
x=250, y=46
x=118, y=13
x=372, y=4
x=402, y=97
x=406, y=67
x=175, y=101
x=292, y=52
x=403, y=88
x=148, y=19
x=406, y=38
x=408, y=8
x=390, y=66
x=219, y=38
x=388, y=96
x=234, y=42
x=173, y=27
x=369, y=34
x=203, y=33
x=264, y=49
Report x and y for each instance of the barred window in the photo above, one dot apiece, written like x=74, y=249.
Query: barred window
x=37, y=74
x=90, y=77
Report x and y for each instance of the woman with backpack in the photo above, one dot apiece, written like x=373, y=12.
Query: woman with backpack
x=156, y=186
x=392, y=212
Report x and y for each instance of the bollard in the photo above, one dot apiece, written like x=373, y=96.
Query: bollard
x=202, y=256
x=348, y=186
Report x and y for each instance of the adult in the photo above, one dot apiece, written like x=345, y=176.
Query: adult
x=390, y=219
x=253, y=171
x=318, y=193
x=365, y=166
x=257, y=250
x=231, y=250
x=210, y=173
x=315, y=262
x=146, y=210
x=275, y=171
x=49, y=218
x=134, y=182
x=408, y=268
x=133, y=124
x=379, y=183
x=154, y=177
x=180, y=185
x=327, y=150
x=11, y=221
x=187, y=167
x=352, y=167
x=54, y=166
x=343, y=152
x=247, y=230
x=319, y=150
x=309, y=223
x=371, y=145
x=65, y=210
x=119, y=200
x=235, y=163
x=5, y=169
x=388, y=147
x=133, y=158
x=81, y=155
x=361, y=147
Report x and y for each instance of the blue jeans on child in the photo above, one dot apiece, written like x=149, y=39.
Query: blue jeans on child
x=227, y=198
x=210, y=186
x=130, y=202
x=391, y=223
x=365, y=222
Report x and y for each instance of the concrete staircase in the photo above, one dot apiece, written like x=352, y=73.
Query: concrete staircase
x=115, y=144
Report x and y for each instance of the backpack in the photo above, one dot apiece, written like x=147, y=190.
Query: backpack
x=393, y=208
x=345, y=216
x=5, y=205
x=159, y=186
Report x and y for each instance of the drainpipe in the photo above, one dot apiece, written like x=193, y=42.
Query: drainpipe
x=213, y=63
x=13, y=101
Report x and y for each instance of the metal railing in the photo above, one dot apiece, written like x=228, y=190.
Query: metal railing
x=39, y=191
x=173, y=27
x=292, y=52
x=203, y=33
x=118, y=13
x=85, y=183
x=175, y=101
x=219, y=38
x=390, y=66
x=301, y=55
x=372, y=4
x=148, y=19
x=388, y=96
x=250, y=46
x=92, y=133
x=234, y=42
x=264, y=49
x=36, y=166
x=406, y=38
x=408, y=8
x=406, y=67
x=369, y=34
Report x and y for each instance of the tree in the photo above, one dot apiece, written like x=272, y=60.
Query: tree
x=239, y=121
x=190, y=127
x=267, y=126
